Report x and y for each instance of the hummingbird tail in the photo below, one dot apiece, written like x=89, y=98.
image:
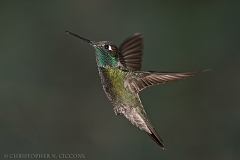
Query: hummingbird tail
x=155, y=136
x=157, y=140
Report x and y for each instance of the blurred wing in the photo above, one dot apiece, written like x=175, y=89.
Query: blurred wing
x=138, y=80
x=131, y=52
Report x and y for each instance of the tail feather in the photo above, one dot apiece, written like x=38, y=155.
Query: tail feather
x=155, y=137
x=157, y=140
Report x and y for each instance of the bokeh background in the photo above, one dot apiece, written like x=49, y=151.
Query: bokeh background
x=51, y=99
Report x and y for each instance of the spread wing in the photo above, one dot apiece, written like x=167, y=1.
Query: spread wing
x=138, y=80
x=130, y=55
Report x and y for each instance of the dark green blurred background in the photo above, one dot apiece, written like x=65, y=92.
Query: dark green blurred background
x=51, y=99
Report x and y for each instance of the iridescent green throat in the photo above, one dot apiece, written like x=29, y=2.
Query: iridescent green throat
x=105, y=59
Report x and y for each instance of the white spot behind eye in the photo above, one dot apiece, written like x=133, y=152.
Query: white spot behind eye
x=110, y=48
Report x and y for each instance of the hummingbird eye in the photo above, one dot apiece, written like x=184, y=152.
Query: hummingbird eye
x=106, y=46
x=110, y=49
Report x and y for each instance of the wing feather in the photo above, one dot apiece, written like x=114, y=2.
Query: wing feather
x=139, y=80
x=130, y=55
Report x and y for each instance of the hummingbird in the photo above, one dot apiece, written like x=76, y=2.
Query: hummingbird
x=122, y=79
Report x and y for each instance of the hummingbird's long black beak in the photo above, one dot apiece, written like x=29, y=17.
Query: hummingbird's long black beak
x=84, y=39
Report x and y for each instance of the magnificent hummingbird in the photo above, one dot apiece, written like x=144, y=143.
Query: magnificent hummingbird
x=122, y=79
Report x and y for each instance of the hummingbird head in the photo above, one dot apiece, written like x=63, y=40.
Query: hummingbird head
x=106, y=52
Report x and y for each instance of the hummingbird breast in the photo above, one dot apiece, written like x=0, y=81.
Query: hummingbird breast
x=124, y=101
x=112, y=79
